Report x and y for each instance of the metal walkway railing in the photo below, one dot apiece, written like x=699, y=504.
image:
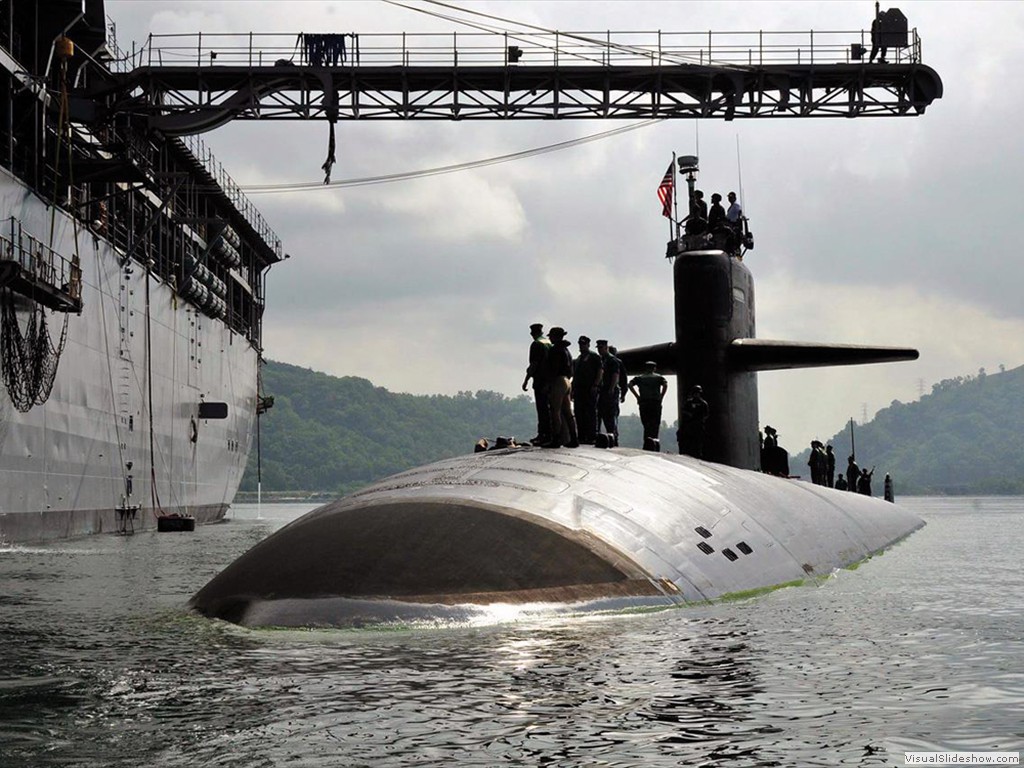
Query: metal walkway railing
x=197, y=82
x=467, y=49
x=39, y=273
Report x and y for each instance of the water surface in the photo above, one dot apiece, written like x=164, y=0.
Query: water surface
x=920, y=648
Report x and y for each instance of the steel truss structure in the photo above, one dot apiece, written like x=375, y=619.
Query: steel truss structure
x=199, y=84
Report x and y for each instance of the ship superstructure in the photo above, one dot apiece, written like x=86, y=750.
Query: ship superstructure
x=131, y=299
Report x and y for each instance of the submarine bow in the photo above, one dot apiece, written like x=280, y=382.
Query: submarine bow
x=583, y=529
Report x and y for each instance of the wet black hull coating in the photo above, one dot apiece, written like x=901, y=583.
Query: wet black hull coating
x=571, y=529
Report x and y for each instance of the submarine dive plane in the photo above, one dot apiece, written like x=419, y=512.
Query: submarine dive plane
x=587, y=529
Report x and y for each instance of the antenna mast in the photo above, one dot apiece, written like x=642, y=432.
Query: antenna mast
x=739, y=172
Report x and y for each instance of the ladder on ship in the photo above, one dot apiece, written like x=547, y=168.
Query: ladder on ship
x=128, y=509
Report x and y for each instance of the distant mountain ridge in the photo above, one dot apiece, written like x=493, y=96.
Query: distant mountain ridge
x=332, y=435
x=965, y=437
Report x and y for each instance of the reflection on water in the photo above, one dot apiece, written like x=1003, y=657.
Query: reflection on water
x=918, y=649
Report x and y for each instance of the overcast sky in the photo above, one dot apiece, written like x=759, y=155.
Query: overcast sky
x=898, y=231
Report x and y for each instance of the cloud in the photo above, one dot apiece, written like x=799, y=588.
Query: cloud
x=954, y=338
x=882, y=230
x=458, y=208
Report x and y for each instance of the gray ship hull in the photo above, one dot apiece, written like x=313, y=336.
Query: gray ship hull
x=63, y=464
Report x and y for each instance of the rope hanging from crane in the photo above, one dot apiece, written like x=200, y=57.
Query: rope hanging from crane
x=329, y=50
x=329, y=162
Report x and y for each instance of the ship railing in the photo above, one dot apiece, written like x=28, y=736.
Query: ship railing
x=732, y=237
x=125, y=61
x=122, y=60
x=197, y=147
x=521, y=49
x=41, y=273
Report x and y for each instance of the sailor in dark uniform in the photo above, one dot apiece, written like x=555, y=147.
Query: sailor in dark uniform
x=587, y=373
x=864, y=484
x=768, y=446
x=716, y=216
x=536, y=370
x=876, y=37
x=692, y=422
x=622, y=374
x=816, y=462
x=700, y=208
x=608, y=399
x=852, y=474
x=558, y=374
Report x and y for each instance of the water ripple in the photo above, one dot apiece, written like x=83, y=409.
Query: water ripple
x=103, y=667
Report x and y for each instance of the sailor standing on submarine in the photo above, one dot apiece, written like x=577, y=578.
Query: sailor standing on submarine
x=692, y=421
x=558, y=372
x=536, y=370
x=587, y=373
x=649, y=389
x=608, y=398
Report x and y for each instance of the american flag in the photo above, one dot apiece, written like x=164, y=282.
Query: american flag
x=665, y=190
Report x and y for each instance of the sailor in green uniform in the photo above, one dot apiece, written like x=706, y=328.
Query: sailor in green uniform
x=649, y=389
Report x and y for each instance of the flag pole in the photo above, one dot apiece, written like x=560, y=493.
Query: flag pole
x=675, y=199
x=671, y=228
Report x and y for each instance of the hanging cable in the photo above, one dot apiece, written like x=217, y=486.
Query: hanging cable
x=514, y=33
x=441, y=170
x=153, y=491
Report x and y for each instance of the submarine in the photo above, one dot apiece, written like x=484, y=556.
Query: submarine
x=526, y=531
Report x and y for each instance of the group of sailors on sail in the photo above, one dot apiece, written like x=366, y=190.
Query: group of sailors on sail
x=715, y=227
x=716, y=215
x=725, y=227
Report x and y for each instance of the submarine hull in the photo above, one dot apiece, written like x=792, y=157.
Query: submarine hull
x=572, y=529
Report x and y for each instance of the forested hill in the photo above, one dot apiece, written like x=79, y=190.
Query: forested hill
x=966, y=437
x=332, y=435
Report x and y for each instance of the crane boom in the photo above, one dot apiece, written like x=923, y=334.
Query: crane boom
x=190, y=84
